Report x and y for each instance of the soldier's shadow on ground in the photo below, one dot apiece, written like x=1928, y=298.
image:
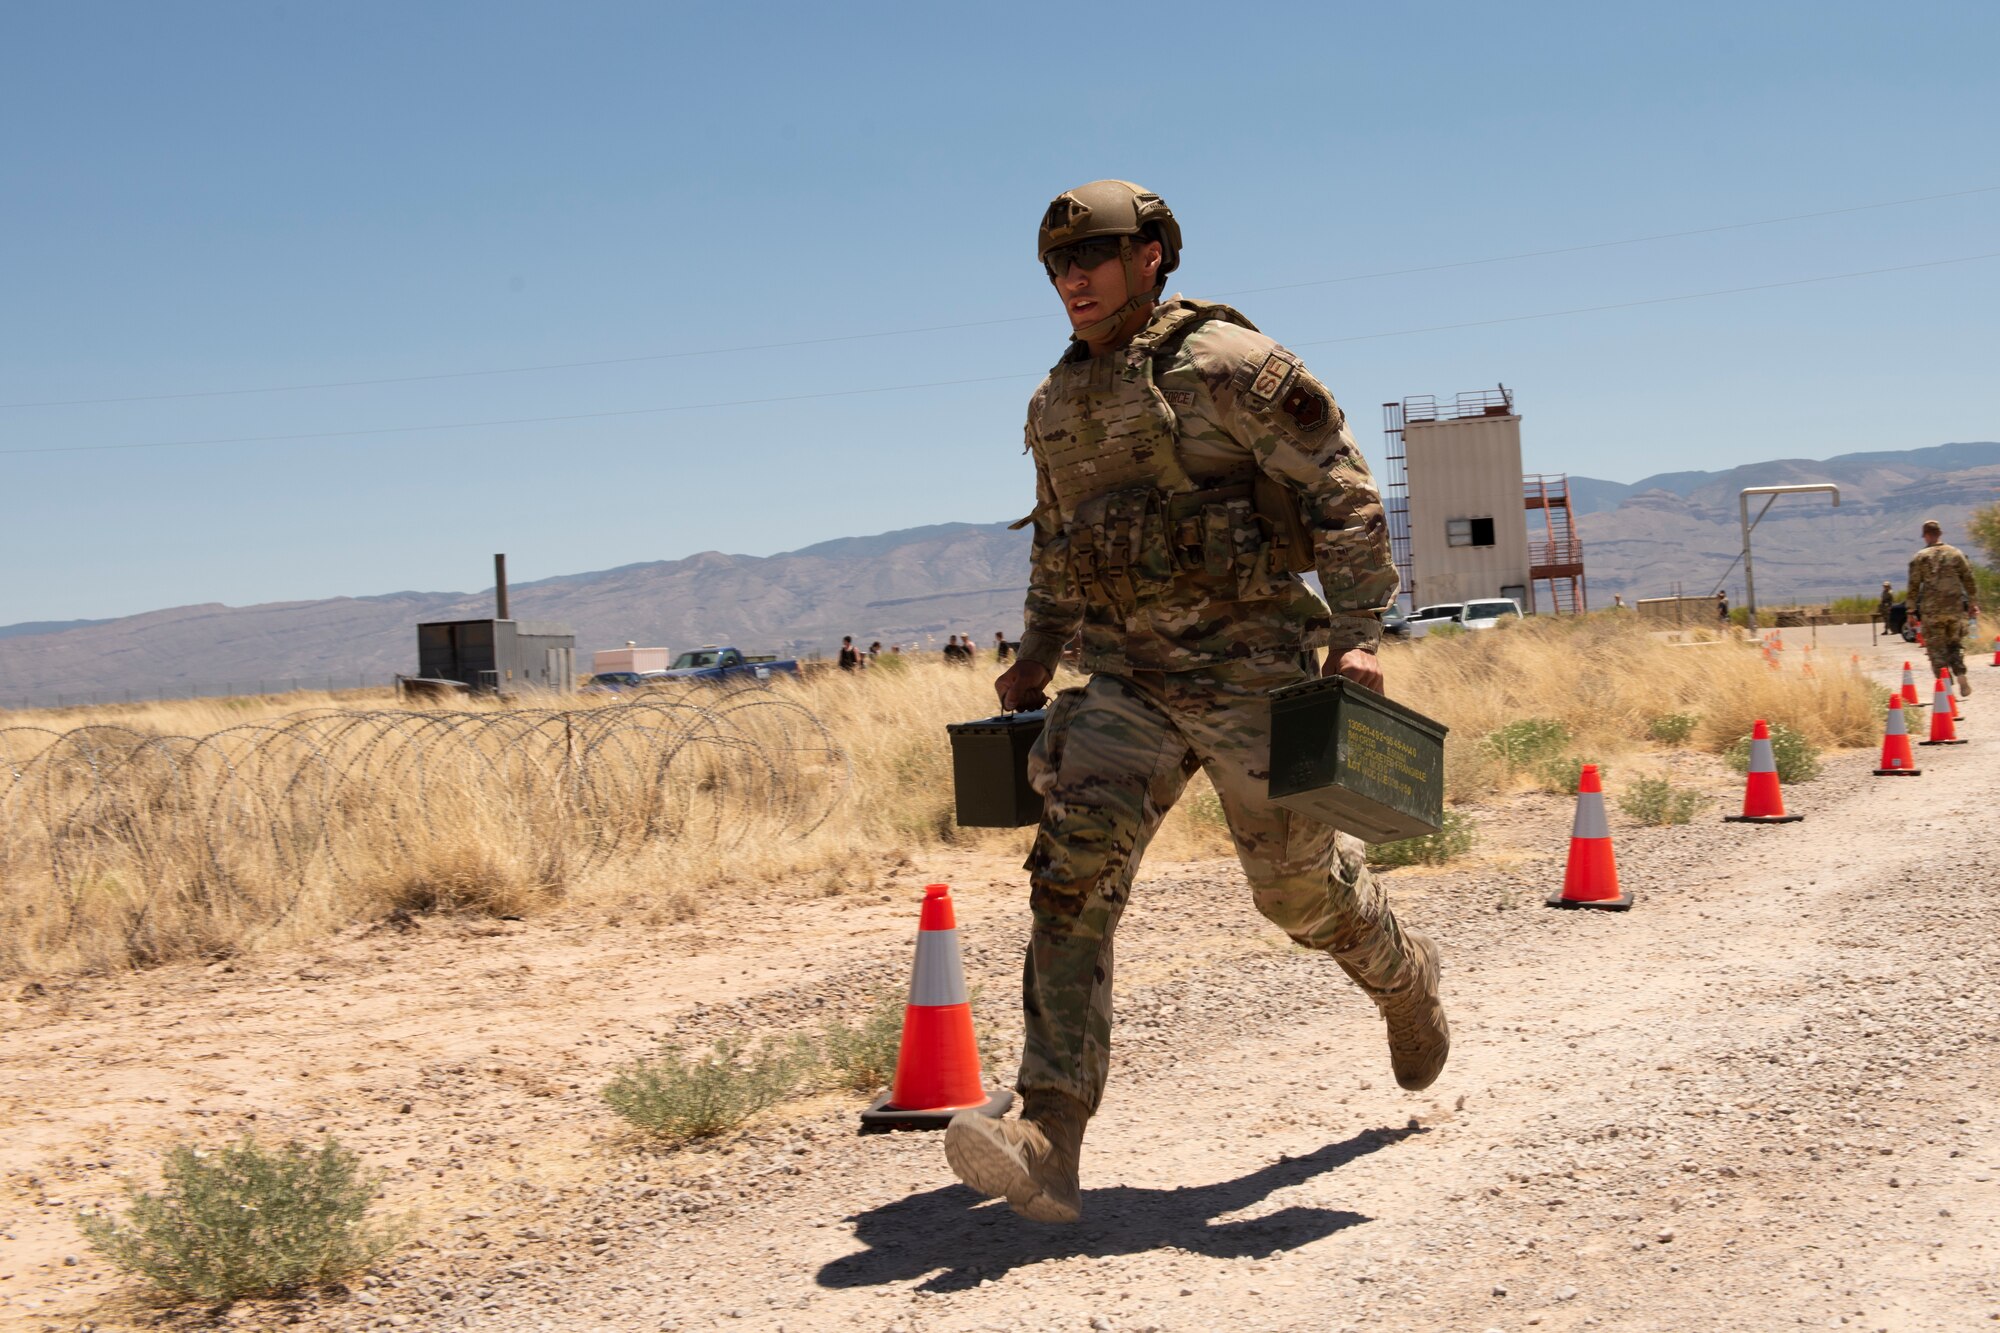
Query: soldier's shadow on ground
x=948, y=1228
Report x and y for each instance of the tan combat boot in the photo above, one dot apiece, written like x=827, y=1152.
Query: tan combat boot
x=1030, y=1162
x=1419, y=1038
x=1964, y=686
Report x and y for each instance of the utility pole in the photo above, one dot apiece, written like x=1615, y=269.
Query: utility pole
x=1743, y=513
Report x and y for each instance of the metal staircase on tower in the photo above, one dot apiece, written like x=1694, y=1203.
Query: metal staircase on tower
x=1555, y=554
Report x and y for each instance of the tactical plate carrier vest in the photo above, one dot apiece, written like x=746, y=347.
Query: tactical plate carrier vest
x=1139, y=530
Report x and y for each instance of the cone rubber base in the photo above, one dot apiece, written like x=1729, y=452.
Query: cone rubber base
x=1960, y=742
x=1762, y=819
x=881, y=1117
x=1618, y=904
x=1899, y=772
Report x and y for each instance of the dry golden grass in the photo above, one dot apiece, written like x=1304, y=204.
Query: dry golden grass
x=1606, y=679
x=275, y=820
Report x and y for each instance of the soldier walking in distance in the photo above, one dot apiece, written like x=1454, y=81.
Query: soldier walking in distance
x=1187, y=470
x=1941, y=592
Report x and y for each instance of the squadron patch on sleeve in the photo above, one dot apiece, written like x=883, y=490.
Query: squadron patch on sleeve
x=1306, y=406
x=1276, y=370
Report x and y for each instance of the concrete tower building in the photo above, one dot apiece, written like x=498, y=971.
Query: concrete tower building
x=1458, y=507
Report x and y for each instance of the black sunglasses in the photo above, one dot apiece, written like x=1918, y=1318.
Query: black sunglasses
x=1086, y=255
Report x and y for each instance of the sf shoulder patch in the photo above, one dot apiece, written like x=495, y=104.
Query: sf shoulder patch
x=1271, y=377
x=1306, y=406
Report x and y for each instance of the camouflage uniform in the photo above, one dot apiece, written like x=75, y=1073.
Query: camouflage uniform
x=1152, y=539
x=1941, y=586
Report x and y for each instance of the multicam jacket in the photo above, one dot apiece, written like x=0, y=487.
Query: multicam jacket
x=1147, y=534
x=1941, y=582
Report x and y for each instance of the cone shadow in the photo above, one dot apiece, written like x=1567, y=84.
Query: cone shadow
x=972, y=1238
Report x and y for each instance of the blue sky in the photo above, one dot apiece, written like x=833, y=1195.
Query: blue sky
x=221, y=196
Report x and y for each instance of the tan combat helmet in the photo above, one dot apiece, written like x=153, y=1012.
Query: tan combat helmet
x=1113, y=209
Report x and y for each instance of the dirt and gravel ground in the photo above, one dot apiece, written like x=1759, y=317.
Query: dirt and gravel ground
x=1764, y=1098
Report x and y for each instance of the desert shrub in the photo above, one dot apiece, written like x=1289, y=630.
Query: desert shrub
x=1983, y=526
x=1672, y=728
x=862, y=1057
x=1563, y=774
x=1796, y=757
x=1453, y=840
x=679, y=1099
x=1528, y=741
x=248, y=1221
x=1445, y=630
x=1658, y=801
x=1471, y=770
x=1204, y=808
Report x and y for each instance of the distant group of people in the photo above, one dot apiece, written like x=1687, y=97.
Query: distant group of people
x=958, y=650
x=855, y=659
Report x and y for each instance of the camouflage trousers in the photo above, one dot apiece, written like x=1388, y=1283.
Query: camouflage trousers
x=1944, y=644
x=1113, y=757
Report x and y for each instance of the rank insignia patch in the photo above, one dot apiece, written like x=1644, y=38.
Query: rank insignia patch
x=1277, y=369
x=1306, y=406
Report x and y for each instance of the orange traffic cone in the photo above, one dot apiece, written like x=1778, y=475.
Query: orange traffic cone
x=1897, y=759
x=1763, y=802
x=1942, y=730
x=937, y=1066
x=1951, y=692
x=1591, y=878
x=1909, y=685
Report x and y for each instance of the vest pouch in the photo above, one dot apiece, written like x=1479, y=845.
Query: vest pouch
x=1238, y=550
x=1218, y=544
x=1283, y=509
x=1119, y=550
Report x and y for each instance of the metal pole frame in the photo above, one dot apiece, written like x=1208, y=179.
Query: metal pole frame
x=1743, y=515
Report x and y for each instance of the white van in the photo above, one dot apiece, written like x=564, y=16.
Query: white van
x=1487, y=614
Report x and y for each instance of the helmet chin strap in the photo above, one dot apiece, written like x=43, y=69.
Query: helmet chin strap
x=1128, y=257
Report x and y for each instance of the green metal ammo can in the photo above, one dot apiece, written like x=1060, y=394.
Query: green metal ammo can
x=989, y=770
x=1355, y=759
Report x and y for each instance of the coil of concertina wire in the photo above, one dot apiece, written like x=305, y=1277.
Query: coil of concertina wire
x=288, y=802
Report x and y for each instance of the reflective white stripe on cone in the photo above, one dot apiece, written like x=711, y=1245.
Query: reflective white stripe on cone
x=1590, y=820
x=939, y=976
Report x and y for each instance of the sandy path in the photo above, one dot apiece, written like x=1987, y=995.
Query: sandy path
x=1762, y=1099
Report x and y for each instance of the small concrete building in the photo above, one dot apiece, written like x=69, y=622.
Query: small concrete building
x=498, y=656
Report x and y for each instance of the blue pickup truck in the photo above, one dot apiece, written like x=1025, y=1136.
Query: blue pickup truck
x=726, y=666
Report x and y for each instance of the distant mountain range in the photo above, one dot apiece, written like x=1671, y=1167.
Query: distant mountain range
x=1869, y=472
x=917, y=586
